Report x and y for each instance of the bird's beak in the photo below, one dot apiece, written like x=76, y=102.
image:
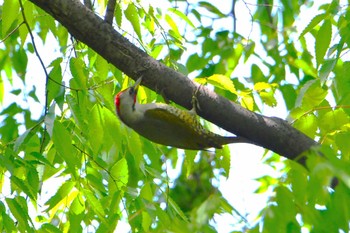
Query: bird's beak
x=137, y=83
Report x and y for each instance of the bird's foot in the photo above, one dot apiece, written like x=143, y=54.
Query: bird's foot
x=195, y=103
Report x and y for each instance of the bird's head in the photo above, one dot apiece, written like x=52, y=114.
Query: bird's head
x=127, y=97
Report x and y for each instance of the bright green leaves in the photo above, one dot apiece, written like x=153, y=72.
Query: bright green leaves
x=120, y=174
x=266, y=92
x=54, y=83
x=323, y=40
x=311, y=95
x=132, y=15
x=10, y=12
x=19, y=209
x=63, y=143
x=60, y=196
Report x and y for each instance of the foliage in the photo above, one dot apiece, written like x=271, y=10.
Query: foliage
x=71, y=165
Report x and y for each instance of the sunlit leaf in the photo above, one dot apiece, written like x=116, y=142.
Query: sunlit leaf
x=120, y=173
x=132, y=15
x=61, y=193
x=307, y=124
x=95, y=204
x=146, y=221
x=313, y=23
x=222, y=82
x=63, y=144
x=182, y=16
x=311, y=95
x=10, y=12
x=323, y=40
x=19, y=209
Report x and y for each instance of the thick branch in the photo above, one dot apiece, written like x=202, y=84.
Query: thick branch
x=269, y=132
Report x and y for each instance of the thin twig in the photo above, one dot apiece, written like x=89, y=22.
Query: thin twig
x=46, y=108
x=8, y=35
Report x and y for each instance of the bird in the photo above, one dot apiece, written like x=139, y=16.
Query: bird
x=166, y=124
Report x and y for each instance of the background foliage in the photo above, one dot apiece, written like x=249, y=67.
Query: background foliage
x=67, y=164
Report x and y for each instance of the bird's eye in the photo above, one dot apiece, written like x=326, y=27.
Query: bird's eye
x=131, y=91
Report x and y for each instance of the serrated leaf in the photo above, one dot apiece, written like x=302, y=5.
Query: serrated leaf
x=54, y=82
x=96, y=131
x=10, y=11
x=176, y=208
x=223, y=82
x=120, y=173
x=313, y=23
x=61, y=193
x=307, y=124
x=323, y=41
x=311, y=95
x=333, y=120
x=63, y=144
x=95, y=204
x=133, y=17
x=21, y=139
x=326, y=68
x=24, y=186
x=19, y=210
x=77, y=68
x=182, y=16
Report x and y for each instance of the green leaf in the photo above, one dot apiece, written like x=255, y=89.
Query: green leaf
x=120, y=173
x=311, y=95
x=20, y=61
x=211, y=8
x=95, y=204
x=22, y=139
x=10, y=11
x=146, y=221
x=118, y=15
x=307, y=124
x=334, y=120
x=223, y=82
x=1, y=91
x=182, y=16
x=195, y=62
x=61, y=193
x=173, y=26
x=313, y=23
x=79, y=73
x=7, y=224
x=19, y=210
x=176, y=208
x=132, y=15
x=146, y=192
x=323, y=41
x=326, y=68
x=55, y=80
x=63, y=144
x=25, y=187
x=47, y=227
x=96, y=131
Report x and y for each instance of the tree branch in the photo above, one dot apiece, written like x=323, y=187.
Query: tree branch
x=269, y=132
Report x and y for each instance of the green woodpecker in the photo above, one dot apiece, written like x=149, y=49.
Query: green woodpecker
x=165, y=124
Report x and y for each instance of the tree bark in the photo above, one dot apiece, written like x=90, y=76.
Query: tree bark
x=269, y=132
